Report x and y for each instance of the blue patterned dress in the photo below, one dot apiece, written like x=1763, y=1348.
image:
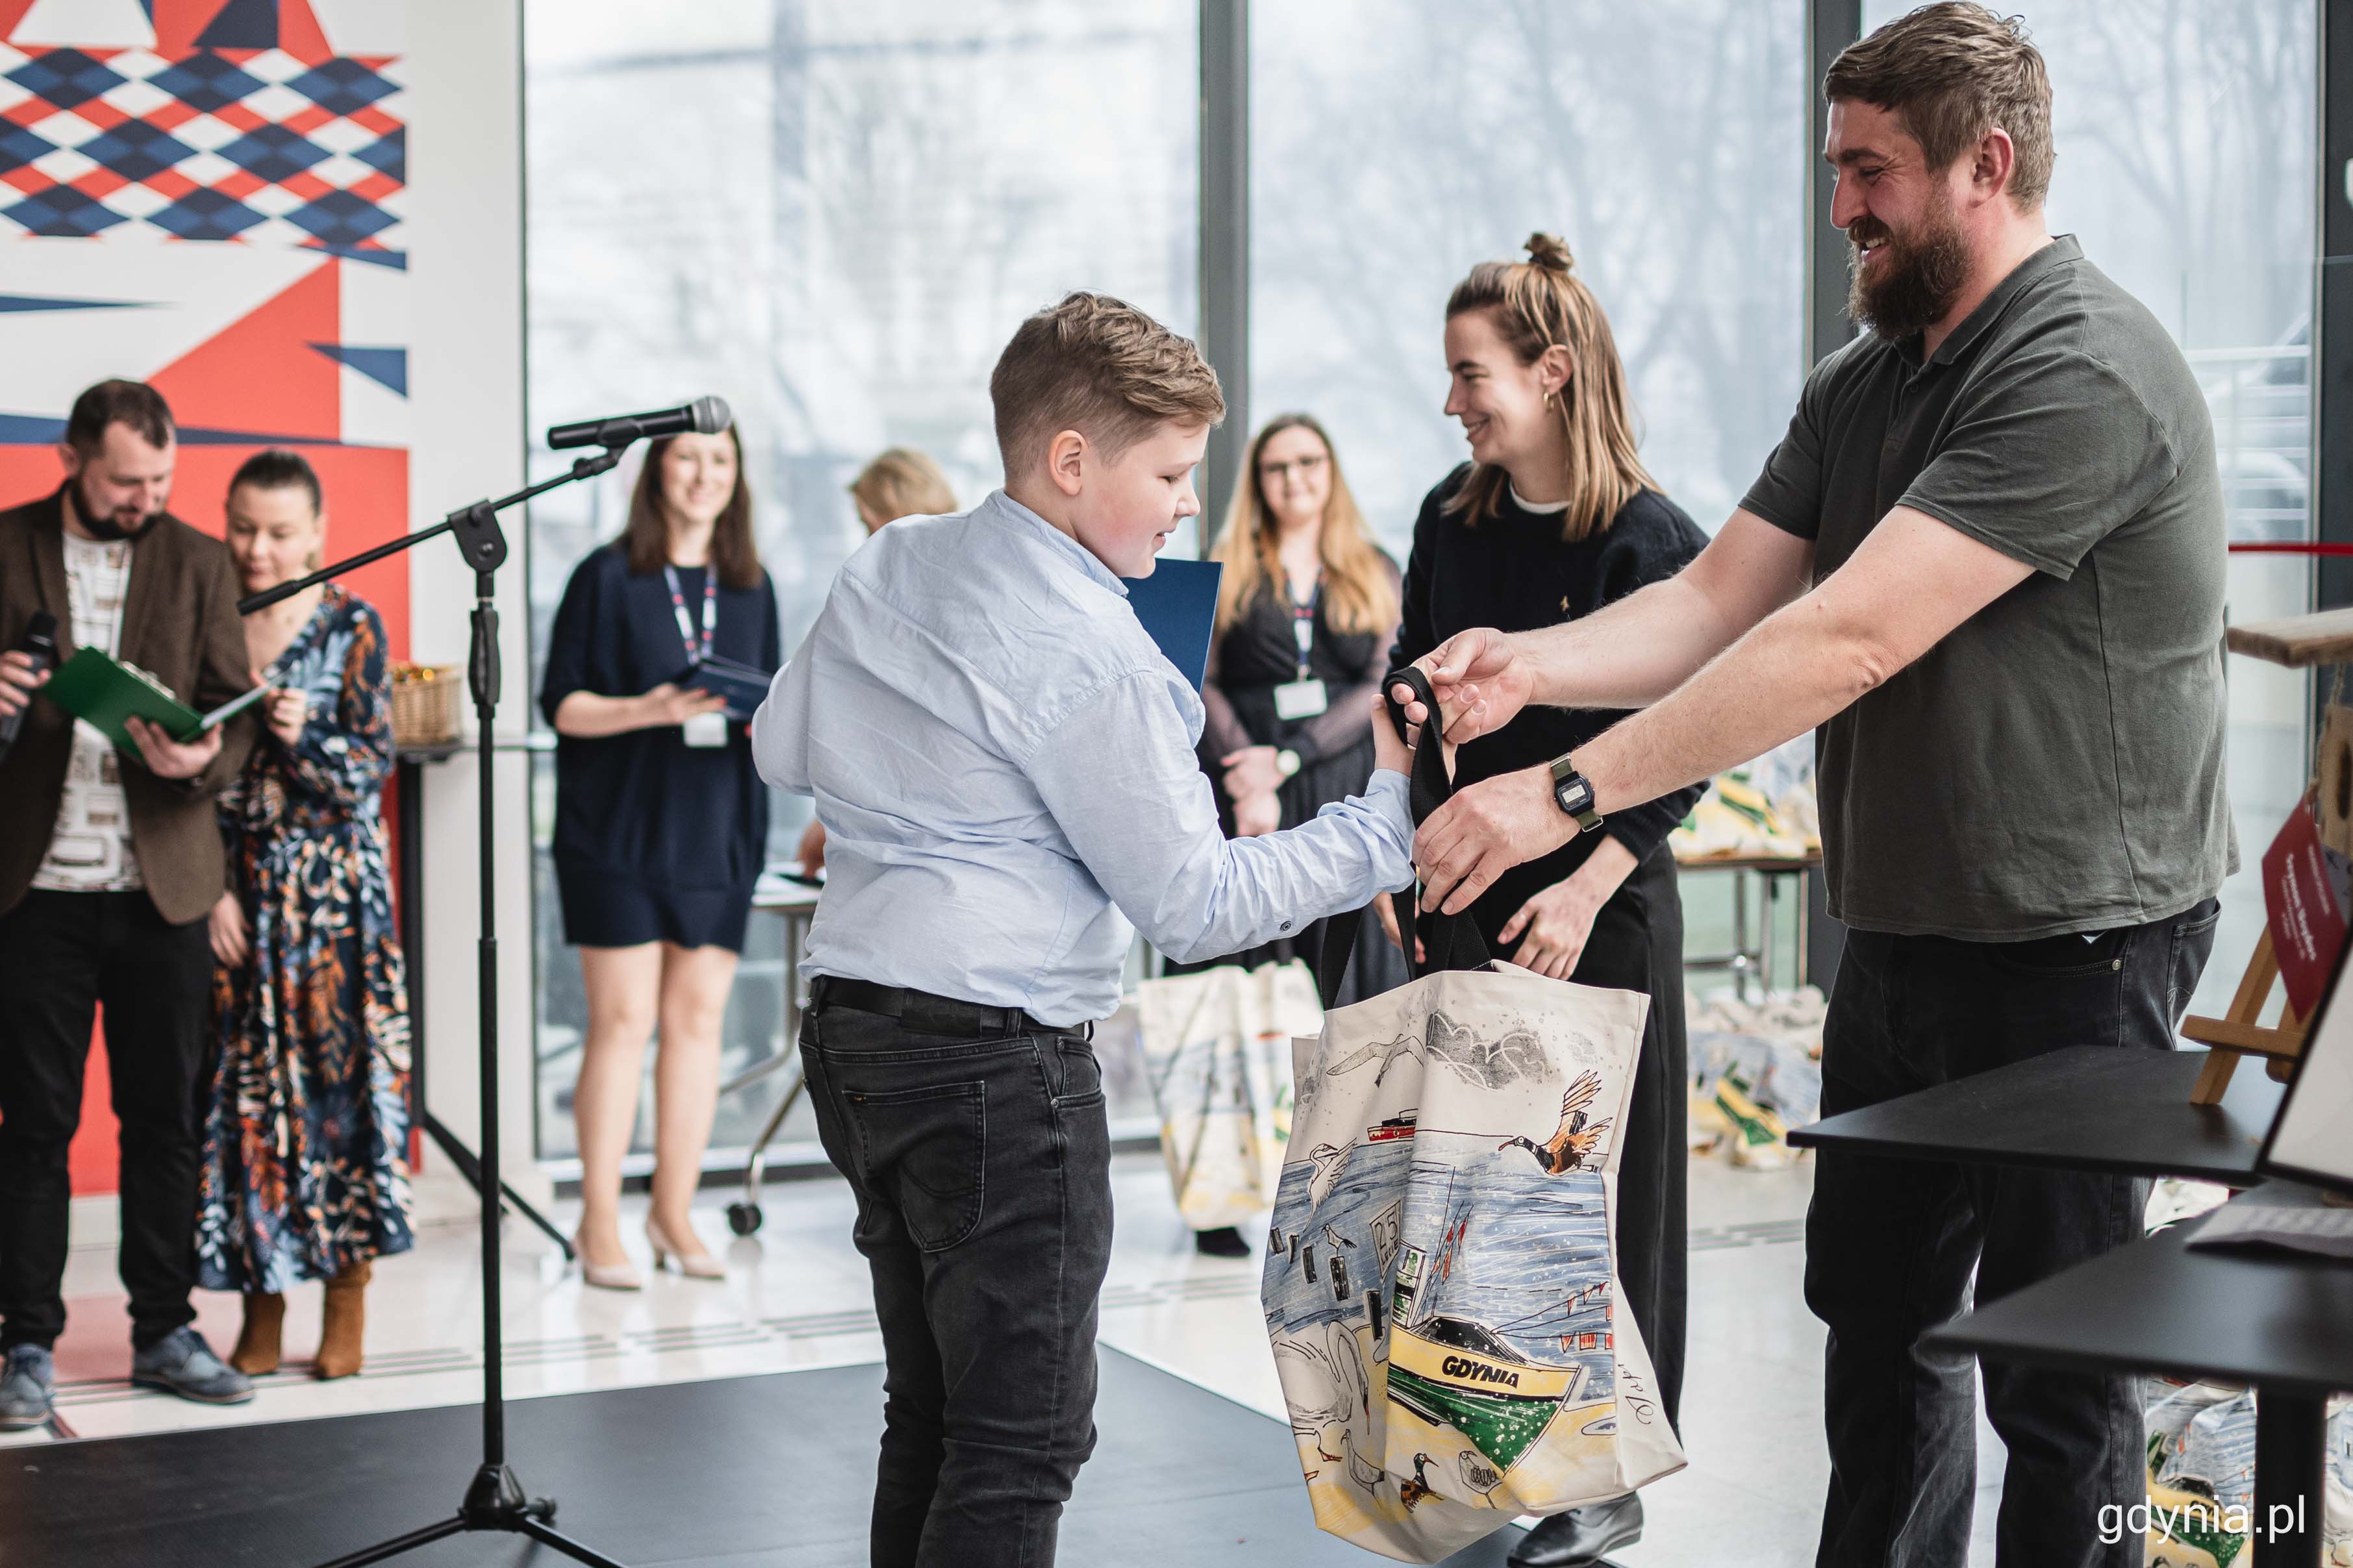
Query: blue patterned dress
x=305, y=1169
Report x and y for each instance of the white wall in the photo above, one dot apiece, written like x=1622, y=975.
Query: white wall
x=466, y=378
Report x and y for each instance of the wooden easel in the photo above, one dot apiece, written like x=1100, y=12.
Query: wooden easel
x=2297, y=642
x=2239, y=1031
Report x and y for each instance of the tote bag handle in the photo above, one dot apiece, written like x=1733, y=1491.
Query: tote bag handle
x=1451, y=942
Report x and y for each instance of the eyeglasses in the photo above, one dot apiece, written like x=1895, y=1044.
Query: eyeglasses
x=1274, y=473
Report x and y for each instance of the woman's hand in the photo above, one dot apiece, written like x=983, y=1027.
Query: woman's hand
x=1254, y=769
x=226, y=925
x=286, y=713
x=670, y=703
x=1559, y=922
x=1257, y=814
x=811, y=854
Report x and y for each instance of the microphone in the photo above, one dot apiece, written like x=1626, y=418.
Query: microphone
x=704, y=416
x=41, y=642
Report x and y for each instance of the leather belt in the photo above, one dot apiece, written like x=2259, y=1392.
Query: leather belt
x=928, y=1014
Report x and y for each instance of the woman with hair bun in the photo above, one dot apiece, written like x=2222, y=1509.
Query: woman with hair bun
x=1553, y=518
x=305, y=1169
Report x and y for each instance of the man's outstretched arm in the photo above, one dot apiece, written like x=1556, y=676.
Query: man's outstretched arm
x=1912, y=582
x=1633, y=652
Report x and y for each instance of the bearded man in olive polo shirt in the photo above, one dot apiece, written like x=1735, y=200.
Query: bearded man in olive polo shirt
x=1987, y=562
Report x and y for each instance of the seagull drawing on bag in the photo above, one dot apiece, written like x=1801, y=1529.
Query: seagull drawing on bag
x=1574, y=1139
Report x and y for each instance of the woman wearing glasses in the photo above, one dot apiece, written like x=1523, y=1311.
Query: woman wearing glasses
x=1306, y=610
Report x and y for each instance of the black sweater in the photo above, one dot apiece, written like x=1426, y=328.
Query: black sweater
x=1513, y=572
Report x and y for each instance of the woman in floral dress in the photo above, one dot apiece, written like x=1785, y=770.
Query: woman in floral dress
x=305, y=1175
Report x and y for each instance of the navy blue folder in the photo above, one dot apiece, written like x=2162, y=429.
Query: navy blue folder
x=744, y=686
x=1178, y=607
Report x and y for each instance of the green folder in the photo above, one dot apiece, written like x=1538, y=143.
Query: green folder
x=104, y=692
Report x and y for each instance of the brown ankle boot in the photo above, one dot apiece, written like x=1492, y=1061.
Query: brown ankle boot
x=339, y=1342
x=257, y=1343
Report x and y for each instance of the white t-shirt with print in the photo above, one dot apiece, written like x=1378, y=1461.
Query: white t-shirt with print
x=91, y=850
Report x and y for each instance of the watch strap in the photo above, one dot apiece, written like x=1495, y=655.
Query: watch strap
x=1573, y=793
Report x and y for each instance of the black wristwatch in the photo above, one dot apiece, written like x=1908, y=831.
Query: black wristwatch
x=1573, y=793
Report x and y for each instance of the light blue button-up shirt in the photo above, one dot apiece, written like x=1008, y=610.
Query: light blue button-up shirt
x=1003, y=761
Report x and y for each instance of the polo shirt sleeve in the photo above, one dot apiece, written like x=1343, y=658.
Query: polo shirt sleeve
x=1788, y=493
x=2046, y=454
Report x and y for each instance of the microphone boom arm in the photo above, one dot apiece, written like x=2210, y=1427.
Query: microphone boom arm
x=480, y=537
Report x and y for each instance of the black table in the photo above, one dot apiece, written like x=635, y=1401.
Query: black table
x=2086, y=1108
x=2281, y=1323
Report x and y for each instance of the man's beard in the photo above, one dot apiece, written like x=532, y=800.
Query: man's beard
x=105, y=525
x=1914, y=282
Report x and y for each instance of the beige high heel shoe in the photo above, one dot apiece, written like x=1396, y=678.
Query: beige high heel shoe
x=607, y=1276
x=697, y=1265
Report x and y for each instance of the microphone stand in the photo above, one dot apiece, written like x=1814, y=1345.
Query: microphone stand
x=495, y=1499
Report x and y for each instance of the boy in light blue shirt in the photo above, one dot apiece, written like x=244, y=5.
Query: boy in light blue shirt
x=1003, y=762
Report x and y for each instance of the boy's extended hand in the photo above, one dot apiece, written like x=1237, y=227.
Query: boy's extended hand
x=1389, y=751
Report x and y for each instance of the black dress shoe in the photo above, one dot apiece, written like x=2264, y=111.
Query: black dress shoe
x=1224, y=1241
x=1581, y=1536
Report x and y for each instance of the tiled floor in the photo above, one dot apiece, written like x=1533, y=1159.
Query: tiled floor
x=797, y=1297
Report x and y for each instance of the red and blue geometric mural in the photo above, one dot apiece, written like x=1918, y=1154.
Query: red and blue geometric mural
x=206, y=196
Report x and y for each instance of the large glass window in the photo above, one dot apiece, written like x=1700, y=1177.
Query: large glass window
x=2184, y=164
x=1395, y=144
x=831, y=215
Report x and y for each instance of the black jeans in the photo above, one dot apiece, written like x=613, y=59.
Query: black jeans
x=63, y=956
x=982, y=1170
x=1889, y=1245
x=1638, y=945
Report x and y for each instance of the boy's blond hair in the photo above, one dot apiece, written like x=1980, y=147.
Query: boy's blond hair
x=1101, y=367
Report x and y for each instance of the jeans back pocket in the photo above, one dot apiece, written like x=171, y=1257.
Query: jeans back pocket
x=928, y=1150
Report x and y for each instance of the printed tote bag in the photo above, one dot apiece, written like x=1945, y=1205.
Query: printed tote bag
x=1216, y=1050
x=1441, y=1278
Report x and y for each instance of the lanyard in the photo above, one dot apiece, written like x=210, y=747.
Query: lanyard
x=1303, y=623
x=695, y=654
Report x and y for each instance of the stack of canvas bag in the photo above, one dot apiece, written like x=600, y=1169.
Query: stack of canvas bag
x=1217, y=1048
x=1441, y=1279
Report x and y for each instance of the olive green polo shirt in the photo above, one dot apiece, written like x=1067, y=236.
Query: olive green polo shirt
x=2055, y=763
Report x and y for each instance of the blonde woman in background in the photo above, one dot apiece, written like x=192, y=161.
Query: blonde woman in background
x=1306, y=611
x=899, y=482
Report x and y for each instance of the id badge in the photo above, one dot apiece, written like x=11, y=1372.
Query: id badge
x=1299, y=699
x=706, y=729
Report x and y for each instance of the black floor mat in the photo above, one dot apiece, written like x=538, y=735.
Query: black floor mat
x=750, y=1472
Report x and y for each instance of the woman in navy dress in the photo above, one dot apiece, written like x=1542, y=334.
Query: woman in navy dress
x=661, y=826
x=306, y=1130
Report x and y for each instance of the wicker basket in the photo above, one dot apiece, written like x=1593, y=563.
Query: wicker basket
x=425, y=704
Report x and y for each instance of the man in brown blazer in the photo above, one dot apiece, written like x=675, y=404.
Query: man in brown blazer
x=108, y=863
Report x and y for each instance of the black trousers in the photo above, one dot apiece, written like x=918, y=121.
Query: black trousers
x=1636, y=944
x=1890, y=1245
x=62, y=956
x=982, y=1170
